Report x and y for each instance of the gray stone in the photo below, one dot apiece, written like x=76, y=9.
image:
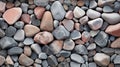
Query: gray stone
x=104, y=2
x=15, y=51
x=101, y=39
x=19, y=24
x=83, y=65
x=2, y=60
x=34, y=21
x=75, y=35
x=113, y=57
x=7, y=42
x=93, y=33
x=92, y=64
x=81, y=49
x=42, y=56
x=2, y=33
x=60, y=32
x=57, y=10
x=117, y=6
x=63, y=64
x=3, y=53
x=56, y=23
x=74, y=64
x=38, y=61
x=91, y=46
x=93, y=4
x=36, y=48
x=77, y=58
x=14, y=58
x=68, y=44
x=85, y=57
x=3, y=24
x=10, y=31
x=117, y=59
x=20, y=35
x=52, y=61
x=44, y=63
x=24, y=7
x=65, y=53
x=99, y=9
x=111, y=18
x=109, y=51
x=107, y=9
x=28, y=41
x=84, y=20
x=30, y=11
x=41, y=2
x=37, y=65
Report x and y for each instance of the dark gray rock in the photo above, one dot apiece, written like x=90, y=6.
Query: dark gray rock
x=10, y=31
x=108, y=51
x=3, y=24
x=116, y=6
x=52, y=61
x=2, y=33
x=19, y=24
x=20, y=35
x=15, y=51
x=3, y=53
x=65, y=53
x=41, y=2
x=34, y=21
x=81, y=49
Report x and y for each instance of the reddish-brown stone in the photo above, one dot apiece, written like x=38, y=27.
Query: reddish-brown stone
x=39, y=11
x=116, y=43
x=25, y=18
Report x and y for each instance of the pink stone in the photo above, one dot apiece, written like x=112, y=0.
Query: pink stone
x=25, y=18
x=39, y=11
x=69, y=15
x=2, y=6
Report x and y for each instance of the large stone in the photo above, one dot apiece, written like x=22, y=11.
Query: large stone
x=116, y=43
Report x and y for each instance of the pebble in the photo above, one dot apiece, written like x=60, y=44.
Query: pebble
x=113, y=30
x=93, y=33
x=8, y=42
x=34, y=21
x=68, y=24
x=85, y=36
x=12, y=15
x=115, y=44
x=69, y=15
x=39, y=11
x=65, y=53
x=101, y=39
x=3, y=24
x=75, y=35
x=30, y=30
x=44, y=63
x=2, y=6
x=37, y=65
x=104, y=2
x=19, y=24
x=78, y=12
x=93, y=14
x=108, y=51
x=2, y=33
x=10, y=31
x=43, y=37
x=41, y=2
x=26, y=18
x=111, y=18
x=102, y=59
x=74, y=64
x=30, y=11
x=68, y=44
x=19, y=35
x=91, y=46
x=77, y=26
x=77, y=58
x=28, y=41
x=81, y=49
x=27, y=51
x=2, y=60
x=42, y=56
x=25, y=61
x=56, y=23
x=46, y=49
x=116, y=6
x=47, y=22
x=56, y=46
x=36, y=48
x=93, y=4
x=95, y=24
x=52, y=61
x=15, y=51
x=84, y=20
x=57, y=10
x=107, y=9
x=117, y=59
x=24, y=7
x=60, y=32
x=80, y=3
x=92, y=64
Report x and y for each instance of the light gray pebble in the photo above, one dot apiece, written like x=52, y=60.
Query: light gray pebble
x=65, y=53
x=41, y=2
x=92, y=64
x=44, y=63
x=56, y=23
x=30, y=11
x=93, y=4
x=19, y=24
x=24, y=7
x=42, y=56
x=107, y=9
x=15, y=51
x=20, y=35
x=117, y=59
x=81, y=49
x=36, y=48
x=92, y=46
x=28, y=41
x=2, y=33
x=75, y=35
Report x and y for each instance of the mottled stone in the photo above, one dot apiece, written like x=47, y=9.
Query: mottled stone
x=77, y=58
x=116, y=43
x=68, y=44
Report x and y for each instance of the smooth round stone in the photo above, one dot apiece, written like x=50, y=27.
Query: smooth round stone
x=108, y=51
x=30, y=11
x=3, y=24
x=56, y=23
x=36, y=48
x=93, y=14
x=85, y=36
x=39, y=11
x=99, y=9
x=42, y=56
x=83, y=20
x=41, y=2
x=107, y=9
x=78, y=12
x=2, y=60
x=81, y=49
x=93, y=33
x=91, y=46
x=77, y=58
x=10, y=31
x=93, y=4
x=24, y=7
x=34, y=21
x=75, y=35
x=27, y=51
x=2, y=33
x=19, y=24
x=68, y=44
x=104, y=2
x=102, y=59
x=2, y=6
x=15, y=51
x=19, y=36
x=48, y=7
x=52, y=61
x=28, y=41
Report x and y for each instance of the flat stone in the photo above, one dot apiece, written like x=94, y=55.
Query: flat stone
x=91, y=46
x=95, y=24
x=78, y=12
x=117, y=59
x=116, y=43
x=101, y=39
x=43, y=37
x=103, y=2
x=85, y=36
x=25, y=18
x=8, y=42
x=102, y=59
x=56, y=23
x=24, y=60
x=31, y=30
x=111, y=18
x=113, y=30
x=60, y=32
x=28, y=41
x=75, y=35
x=2, y=6
x=10, y=31
x=74, y=64
x=57, y=10
x=2, y=33
x=108, y=51
x=92, y=64
x=65, y=53
x=3, y=24
x=56, y=46
x=12, y=15
x=36, y=48
x=42, y=56
x=2, y=60
x=15, y=51
x=84, y=20
x=24, y=7
x=46, y=49
x=93, y=4
x=93, y=33
x=19, y=35
x=27, y=51
x=81, y=49
x=47, y=22
x=19, y=24
x=39, y=11
x=52, y=61
x=68, y=44
x=77, y=58
x=69, y=15
x=41, y=2
x=93, y=14
x=107, y=9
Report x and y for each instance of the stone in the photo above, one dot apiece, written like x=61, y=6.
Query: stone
x=8, y=42
x=2, y=60
x=93, y=14
x=84, y=20
x=101, y=39
x=102, y=59
x=92, y=46
x=42, y=56
x=81, y=49
x=37, y=65
x=9, y=60
x=34, y=21
x=46, y=49
x=103, y=2
x=39, y=11
x=27, y=51
x=19, y=35
x=47, y=22
x=117, y=6
x=56, y=23
x=95, y=24
x=28, y=41
x=56, y=46
x=69, y=15
x=85, y=36
x=68, y=24
x=12, y=15
x=77, y=58
x=10, y=31
x=52, y=61
x=65, y=53
x=25, y=61
x=80, y=3
x=3, y=53
x=2, y=6
x=45, y=63
x=31, y=30
x=64, y=64
x=92, y=64
x=36, y=48
x=75, y=35
x=78, y=12
x=116, y=43
x=2, y=33
x=19, y=24
x=93, y=4
x=57, y=10
x=111, y=18
x=41, y=2
x=3, y=24
x=43, y=37
x=9, y=5
x=108, y=51
x=24, y=7
x=77, y=26
x=117, y=59
x=15, y=51
x=113, y=30
x=107, y=9
x=93, y=33
x=74, y=64
x=25, y=18
x=68, y=44
x=60, y=32
x=30, y=11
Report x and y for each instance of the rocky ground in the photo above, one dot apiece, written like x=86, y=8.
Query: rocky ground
x=59, y=33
